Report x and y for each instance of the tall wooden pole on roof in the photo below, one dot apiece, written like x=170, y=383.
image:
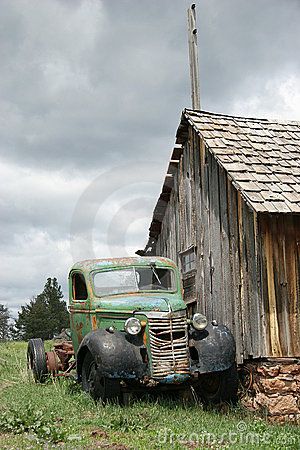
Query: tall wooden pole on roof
x=193, y=57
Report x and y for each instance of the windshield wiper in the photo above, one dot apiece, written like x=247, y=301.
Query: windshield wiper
x=155, y=274
x=136, y=280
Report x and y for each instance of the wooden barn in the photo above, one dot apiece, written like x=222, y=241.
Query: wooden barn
x=229, y=215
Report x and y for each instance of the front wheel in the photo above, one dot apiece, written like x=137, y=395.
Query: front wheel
x=218, y=387
x=95, y=384
x=36, y=359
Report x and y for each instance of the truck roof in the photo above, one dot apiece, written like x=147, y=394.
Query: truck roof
x=93, y=264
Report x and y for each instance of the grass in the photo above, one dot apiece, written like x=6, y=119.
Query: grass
x=59, y=415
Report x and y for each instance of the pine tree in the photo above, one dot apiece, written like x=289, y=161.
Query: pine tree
x=45, y=315
x=57, y=308
x=4, y=323
x=14, y=333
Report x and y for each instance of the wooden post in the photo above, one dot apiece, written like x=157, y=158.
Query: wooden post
x=193, y=56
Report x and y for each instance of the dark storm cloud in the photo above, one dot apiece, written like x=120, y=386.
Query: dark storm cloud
x=88, y=86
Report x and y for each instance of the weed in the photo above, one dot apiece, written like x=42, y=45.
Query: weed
x=27, y=419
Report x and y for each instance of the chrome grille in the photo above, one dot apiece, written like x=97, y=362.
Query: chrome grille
x=169, y=345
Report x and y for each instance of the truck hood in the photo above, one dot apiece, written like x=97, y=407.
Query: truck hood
x=132, y=303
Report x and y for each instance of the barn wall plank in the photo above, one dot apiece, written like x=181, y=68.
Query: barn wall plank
x=199, y=223
x=235, y=273
x=215, y=240
x=227, y=294
x=205, y=193
x=252, y=303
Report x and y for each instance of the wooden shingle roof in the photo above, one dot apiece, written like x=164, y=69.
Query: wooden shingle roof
x=261, y=157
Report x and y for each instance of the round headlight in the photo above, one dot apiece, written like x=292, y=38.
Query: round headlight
x=199, y=321
x=133, y=326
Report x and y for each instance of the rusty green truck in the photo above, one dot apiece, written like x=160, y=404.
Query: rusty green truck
x=130, y=332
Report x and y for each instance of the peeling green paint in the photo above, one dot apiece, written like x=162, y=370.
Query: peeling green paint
x=113, y=310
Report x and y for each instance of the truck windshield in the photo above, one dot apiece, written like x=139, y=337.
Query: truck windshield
x=134, y=279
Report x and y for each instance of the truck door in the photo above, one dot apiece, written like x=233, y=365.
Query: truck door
x=79, y=307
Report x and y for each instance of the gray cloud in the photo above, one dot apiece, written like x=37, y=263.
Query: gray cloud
x=244, y=45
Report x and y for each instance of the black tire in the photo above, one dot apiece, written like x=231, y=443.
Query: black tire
x=219, y=387
x=95, y=384
x=36, y=359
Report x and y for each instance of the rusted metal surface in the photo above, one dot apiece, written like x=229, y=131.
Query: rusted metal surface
x=94, y=322
x=246, y=239
x=60, y=361
x=65, y=352
x=53, y=363
x=79, y=327
x=96, y=264
x=169, y=345
x=212, y=350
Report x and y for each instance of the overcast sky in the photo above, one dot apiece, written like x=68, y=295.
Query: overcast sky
x=91, y=93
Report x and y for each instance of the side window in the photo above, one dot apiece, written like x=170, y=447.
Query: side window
x=79, y=290
x=188, y=260
x=188, y=268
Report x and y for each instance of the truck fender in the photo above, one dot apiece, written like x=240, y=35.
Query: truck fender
x=116, y=354
x=212, y=349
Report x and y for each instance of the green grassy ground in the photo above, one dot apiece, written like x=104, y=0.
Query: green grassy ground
x=59, y=415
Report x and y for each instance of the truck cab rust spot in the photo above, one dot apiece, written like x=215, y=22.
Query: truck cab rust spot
x=94, y=323
x=79, y=327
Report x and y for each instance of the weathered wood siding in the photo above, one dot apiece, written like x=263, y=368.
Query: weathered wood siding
x=247, y=266
x=280, y=256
